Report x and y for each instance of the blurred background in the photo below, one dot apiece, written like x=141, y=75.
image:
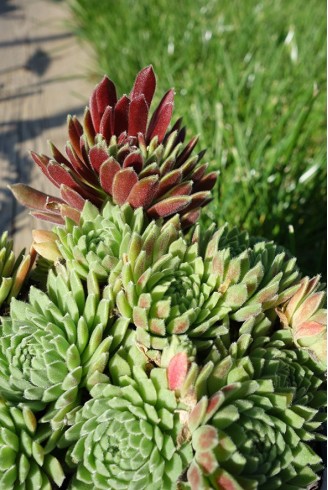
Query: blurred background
x=250, y=79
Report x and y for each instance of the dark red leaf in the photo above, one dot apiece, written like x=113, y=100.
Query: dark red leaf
x=181, y=135
x=168, y=181
x=106, y=123
x=189, y=219
x=42, y=162
x=135, y=160
x=183, y=189
x=72, y=197
x=176, y=127
x=123, y=182
x=144, y=84
x=52, y=217
x=57, y=155
x=206, y=183
x=161, y=117
x=105, y=95
x=138, y=115
x=199, y=172
x=161, y=124
x=169, y=206
x=198, y=200
x=201, y=154
x=188, y=167
x=62, y=175
x=95, y=116
x=122, y=153
x=97, y=157
x=121, y=115
x=84, y=151
x=167, y=166
x=143, y=192
x=150, y=169
x=32, y=198
x=107, y=173
x=184, y=155
x=79, y=167
x=89, y=130
x=75, y=132
x=123, y=138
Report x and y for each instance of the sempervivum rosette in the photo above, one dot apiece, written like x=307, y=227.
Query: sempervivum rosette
x=100, y=240
x=117, y=155
x=304, y=314
x=13, y=270
x=244, y=438
x=259, y=279
x=186, y=288
x=254, y=395
x=291, y=371
x=129, y=436
x=57, y=345
x=26, y=461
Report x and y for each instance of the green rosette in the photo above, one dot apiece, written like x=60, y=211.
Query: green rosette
x=184, y=287
x=245, y=437
x=129, y=436
x=54, y=348
x=305, y=316
x=98, y=242
x=13, y=270
x=26, y=461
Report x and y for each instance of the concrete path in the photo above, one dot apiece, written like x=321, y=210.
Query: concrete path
x=42, y=79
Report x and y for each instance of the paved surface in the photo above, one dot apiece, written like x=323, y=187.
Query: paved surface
x=42, y=79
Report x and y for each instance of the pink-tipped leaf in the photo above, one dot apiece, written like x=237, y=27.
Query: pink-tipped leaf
x=177, y=370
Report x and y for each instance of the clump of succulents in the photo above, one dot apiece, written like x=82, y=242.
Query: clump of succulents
x=144, y=352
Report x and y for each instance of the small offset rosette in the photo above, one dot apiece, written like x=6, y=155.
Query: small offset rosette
x=128, y=436
x=54, y=348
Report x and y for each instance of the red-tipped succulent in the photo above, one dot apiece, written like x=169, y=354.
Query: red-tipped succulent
x=121, y=154
x=306, y=316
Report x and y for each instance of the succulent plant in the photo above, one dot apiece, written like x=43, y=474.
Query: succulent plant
x=57, y=345
x=292, y=372
x=129, y=435
x=244, y=438
x=25, y=451
x=117, y=155
x=101, y=240
x=305, y=316
x=180, y=291
x=13, y=271
x=143, y=354
x=253, y=402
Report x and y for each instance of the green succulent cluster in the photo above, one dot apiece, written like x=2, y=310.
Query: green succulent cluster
x=13, y=270
x=58, y=344
x=25, y=451
x=129, y=434
x=245, y=437
x=139, y=355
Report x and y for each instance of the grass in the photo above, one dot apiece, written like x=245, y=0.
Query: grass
x=250, y=79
